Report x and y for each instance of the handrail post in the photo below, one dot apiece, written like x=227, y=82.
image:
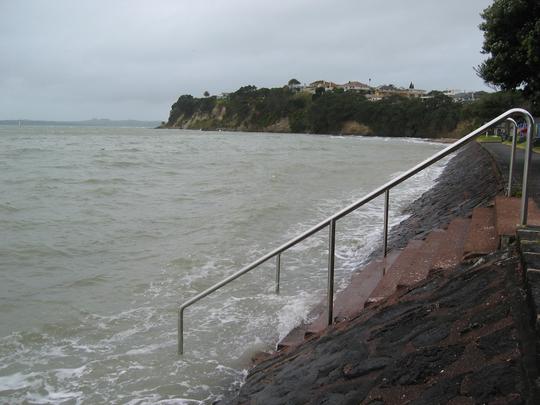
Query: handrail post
x=278, y=271
x=385, y=231
x=512, y=157
x=181, y=331
x=526, y=163
x=331, y=262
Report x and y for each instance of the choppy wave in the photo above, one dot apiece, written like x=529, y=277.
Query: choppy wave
x=137, y=223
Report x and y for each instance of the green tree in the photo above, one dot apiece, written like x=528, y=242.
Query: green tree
x=293, y=82
x=512, y=41
x=206, y=94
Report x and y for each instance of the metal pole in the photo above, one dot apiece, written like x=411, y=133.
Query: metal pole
x=278, y=271
x=331, y=259
x=526, y=163
x=512, y=157
x=385, y=231
x=181, y=332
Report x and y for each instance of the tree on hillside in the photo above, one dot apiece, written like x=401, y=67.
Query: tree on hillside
x=206, y=94
x=512, y=41
x=293, y=82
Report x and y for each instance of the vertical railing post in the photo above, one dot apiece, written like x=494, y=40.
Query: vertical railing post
x=385, y=230
x=331, y=262
x=526, y=164
x=512, y=157
x=181, y=331
x=278, y=271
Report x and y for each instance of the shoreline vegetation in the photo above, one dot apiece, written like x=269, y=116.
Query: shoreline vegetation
x=340, y=112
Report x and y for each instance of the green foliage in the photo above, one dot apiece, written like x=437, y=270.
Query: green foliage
x=187, y=105
x=326, y=112
x=491, y=105
x=329, y=110
x=512, y=41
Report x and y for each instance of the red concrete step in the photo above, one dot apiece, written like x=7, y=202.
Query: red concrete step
x=419, y=268
x=450, y=253
x=350, y=301
x=507, y=213
x=409, y=257
x=482, y=237
x=293, y=339
x=440, y=250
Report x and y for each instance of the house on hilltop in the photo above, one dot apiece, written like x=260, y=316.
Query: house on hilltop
x=355, y=86
x=387, y=90
x=324, y=84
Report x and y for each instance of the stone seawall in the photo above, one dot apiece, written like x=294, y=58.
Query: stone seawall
x=434, y=343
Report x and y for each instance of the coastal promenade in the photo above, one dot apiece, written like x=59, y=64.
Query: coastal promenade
x=458, y=330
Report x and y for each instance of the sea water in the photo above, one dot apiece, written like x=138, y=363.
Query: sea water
x=105, y=231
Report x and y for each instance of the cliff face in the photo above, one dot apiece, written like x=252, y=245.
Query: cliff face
x=217, y=119
x=333, y=112
x=200, y=119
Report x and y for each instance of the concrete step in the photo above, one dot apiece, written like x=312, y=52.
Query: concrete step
x=507, y=212
x=294, y=338
x=529, y=240
x=441, y=249
x=482, y=237
x=451, y=252
x=418, y=269
x=405, y=262
x=350, y=301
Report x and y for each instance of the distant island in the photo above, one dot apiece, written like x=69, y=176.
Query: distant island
x=95, y=122
x=324, y=107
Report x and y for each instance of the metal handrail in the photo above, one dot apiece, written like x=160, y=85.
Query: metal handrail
x=330, y=222
x=512, y=156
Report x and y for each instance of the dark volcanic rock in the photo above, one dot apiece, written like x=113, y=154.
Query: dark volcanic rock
x=415, y=349
x=452, y=338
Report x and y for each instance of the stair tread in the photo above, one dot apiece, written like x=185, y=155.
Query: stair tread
x=390, y=281
x=482, y=237
x=450, y=253
x=350, y=301
x=508, y=214
x=419, y=268
x=294, y=338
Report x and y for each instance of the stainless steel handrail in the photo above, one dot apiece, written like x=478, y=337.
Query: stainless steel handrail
x=330, y=222
x=512, y=156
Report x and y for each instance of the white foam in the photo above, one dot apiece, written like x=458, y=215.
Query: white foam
x=17, y=381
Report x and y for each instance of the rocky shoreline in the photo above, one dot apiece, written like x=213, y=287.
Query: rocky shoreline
x=377, y=358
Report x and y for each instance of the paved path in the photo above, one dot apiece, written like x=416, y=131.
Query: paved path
x=501, y=154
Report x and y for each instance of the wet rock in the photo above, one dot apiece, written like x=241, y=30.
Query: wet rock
x=365, y=367
x=499, y=342
x=414, y=350
x=452, y=338
x=418, y=366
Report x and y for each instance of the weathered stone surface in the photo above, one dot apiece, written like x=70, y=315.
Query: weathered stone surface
x=452, y=338
x=455, y=338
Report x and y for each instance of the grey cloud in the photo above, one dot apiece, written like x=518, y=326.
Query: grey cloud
x=120, y=59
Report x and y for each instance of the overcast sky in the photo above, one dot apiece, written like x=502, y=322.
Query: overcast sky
x=120, y=59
